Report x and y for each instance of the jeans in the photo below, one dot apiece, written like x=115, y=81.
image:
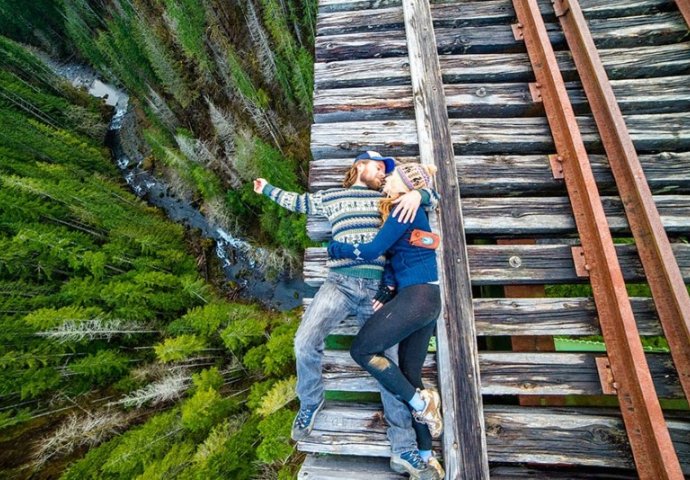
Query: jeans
x=339, y=297
x=409, y=319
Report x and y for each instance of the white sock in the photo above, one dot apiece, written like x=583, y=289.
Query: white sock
x=425, y=454
x=417, y=403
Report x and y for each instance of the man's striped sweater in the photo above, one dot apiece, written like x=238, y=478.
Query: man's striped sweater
x=354, y=217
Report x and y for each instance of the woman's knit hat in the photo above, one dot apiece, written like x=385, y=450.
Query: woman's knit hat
x=415, y=175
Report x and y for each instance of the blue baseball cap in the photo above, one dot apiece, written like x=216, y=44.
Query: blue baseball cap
x=376, y=156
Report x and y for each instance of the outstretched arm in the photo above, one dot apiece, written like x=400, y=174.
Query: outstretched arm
x=391, y=231
x=295, y=202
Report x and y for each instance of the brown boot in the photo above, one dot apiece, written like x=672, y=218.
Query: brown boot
x=431, y=415
x=436, y=465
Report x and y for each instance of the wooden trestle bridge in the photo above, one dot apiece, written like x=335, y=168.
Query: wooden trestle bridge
x=561, y=131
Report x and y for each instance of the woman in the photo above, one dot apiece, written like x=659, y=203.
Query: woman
x=409, y=318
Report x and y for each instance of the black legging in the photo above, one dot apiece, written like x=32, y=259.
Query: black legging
x=408, y=320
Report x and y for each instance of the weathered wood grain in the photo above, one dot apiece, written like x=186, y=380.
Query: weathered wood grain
x=639, y=96
x=512, y=175
x=511, y=373
x=341, y=373
x=620, y=63
x=538, y=316
x=650, y=133
x=623, y=32
x=594, y=8
x=540, y=216
x=521, y=264
x=547, y=436
x=464, y=442
x=568, y=436
x=340, y=467
x=460, y=14
x=553, y=316
x=545, y=472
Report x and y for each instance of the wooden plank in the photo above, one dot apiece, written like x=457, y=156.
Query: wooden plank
x=594, y=8
x=651, y=133
x=345, y=467
x=547, y=436
x=512, y=472
x=348, y=429
x=460, y=14
x=553, y=316
x=628, y=32
x=620, y=63
x=511, y=373
x=538, y=316
x=569, y=437
x=510, y=175
x=657, y=95
x=543, y=216
x=341, y=373
x=521, y=264
x=464, y=442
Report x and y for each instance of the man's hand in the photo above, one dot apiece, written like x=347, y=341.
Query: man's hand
x=408, y=205
x=384, y=295
x=259, y=184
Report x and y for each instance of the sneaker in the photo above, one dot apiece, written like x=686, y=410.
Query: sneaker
x=431, y=415
x=304, y=421
x=410, y=462
x=434, y=464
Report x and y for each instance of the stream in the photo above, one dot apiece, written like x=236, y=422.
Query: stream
x=237, y=256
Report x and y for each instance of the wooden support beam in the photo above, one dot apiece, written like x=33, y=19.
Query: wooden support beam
x=620, y=63
x=511, y=373
x=526, y=175
x=543, y=216
x=522, y=264
x=496, y=100
x=539, y=316
x=464, y=442
x=620, y=32
x=579, y=437
x=528, y=135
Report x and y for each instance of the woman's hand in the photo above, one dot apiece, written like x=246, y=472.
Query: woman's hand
x=384, y=295
x=408, y=205
x=259, y=184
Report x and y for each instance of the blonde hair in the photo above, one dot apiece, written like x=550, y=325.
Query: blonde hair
x=386, y=205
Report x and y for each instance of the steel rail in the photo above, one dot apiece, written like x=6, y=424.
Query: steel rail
x=649, y=438
x=661, y=268
x=684, y=7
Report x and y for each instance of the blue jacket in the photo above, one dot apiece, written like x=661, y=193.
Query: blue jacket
x=411, y=265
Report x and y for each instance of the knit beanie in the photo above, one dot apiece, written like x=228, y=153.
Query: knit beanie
x=416, y=176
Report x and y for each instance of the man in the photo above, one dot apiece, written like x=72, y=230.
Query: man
x=349, y=289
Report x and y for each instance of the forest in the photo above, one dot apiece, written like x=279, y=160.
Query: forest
x=125, y=353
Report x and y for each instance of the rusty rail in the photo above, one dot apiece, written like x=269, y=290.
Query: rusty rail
x=661, y=269
x=649, y=437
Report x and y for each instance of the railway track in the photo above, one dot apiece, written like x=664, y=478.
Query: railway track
x=562, y=136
